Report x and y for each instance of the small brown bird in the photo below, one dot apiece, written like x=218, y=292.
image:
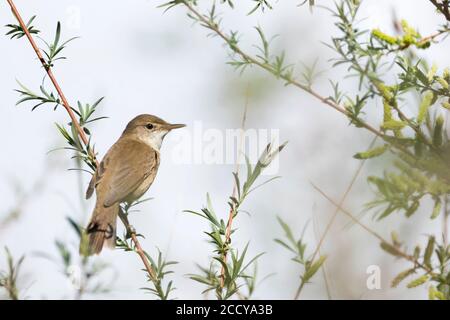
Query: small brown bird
x=124, y=175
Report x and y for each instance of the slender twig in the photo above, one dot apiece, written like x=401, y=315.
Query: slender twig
x=398, y=252
x=432, y=36
x=336, y=212
x=231, y=212
x=341, y=202
x=76, y=124
x=139, y=250
x=324, y=271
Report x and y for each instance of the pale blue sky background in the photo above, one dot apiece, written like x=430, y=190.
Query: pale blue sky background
x=144, y=61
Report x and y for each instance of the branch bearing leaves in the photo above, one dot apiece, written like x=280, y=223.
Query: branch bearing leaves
x=55, y=48
x=298, y=247
x=263, y=4
x=17, y=32
x=234, y=270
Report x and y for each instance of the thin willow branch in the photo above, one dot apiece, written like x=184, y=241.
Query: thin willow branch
x=78, y=128
x=252, y=60
x=397, y=251
x=433, y=36
x=324, y=267
x=231, y=213
x=137, y=244
x=422, y=41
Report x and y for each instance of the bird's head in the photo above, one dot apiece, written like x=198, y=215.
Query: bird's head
x=149, y=129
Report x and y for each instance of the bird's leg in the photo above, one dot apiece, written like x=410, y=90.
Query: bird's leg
x=130, y=229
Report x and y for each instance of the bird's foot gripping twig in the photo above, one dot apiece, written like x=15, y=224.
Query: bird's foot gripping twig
x=129, y=228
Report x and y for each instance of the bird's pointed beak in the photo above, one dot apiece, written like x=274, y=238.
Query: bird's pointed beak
x=174, y=126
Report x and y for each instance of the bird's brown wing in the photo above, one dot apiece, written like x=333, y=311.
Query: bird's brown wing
x=133, y=162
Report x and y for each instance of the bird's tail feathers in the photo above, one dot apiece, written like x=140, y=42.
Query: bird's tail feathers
x=100, y=231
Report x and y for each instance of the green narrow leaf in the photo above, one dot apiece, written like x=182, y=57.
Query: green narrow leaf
x=436, y=209
x=418, y=282
x=312, y=270
x=434, y=294
x=387, y=212
x=393, y=125
x=284, y=244
x=402, y=276
x=389, y=248
x=432, y=72
x=75, y=226
x=57, y=35
x=237, y=183
x=426, y=102
x=31, y=20
x=421, y=76
x=375, y=152
x=287, y=231
x=429, y=251
x=412, y=209
x=437, y=134
x=387, y=111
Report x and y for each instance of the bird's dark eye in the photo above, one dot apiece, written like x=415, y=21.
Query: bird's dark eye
x=149, y=126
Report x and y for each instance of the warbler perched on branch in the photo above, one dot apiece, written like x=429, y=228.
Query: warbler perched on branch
x=124, y=175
